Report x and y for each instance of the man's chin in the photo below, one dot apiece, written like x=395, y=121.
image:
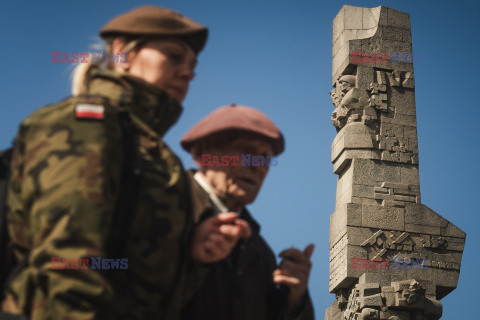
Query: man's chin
x=243, y=198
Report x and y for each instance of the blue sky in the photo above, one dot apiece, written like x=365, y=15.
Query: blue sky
x=276, y=56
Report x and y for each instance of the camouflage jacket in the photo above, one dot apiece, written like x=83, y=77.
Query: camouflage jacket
x=66, y=173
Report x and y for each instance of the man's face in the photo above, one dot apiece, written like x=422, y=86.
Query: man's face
x=238, y=185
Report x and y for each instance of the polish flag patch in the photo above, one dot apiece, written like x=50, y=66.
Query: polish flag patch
x=89, y=111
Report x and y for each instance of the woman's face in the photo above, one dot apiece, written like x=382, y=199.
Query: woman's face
x=166, y=63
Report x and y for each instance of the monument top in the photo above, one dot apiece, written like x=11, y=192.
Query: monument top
x=376, y=30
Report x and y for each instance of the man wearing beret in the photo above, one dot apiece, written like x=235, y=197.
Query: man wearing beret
x=233, y=147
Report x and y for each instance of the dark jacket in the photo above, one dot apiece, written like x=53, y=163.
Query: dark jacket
x=241, y=286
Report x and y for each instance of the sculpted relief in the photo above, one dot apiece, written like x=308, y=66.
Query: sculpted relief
x=375, y=101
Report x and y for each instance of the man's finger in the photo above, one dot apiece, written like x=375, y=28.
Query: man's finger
x=293, y=254
x=220, y=241
x=213, y=250
x=245, y=230
x=293, y=268
x=227, y=217
x=230, y=231
x=309, y=251
x=285, y=280
x=209, y=225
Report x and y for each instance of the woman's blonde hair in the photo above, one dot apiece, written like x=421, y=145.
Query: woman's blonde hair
x=80, y=73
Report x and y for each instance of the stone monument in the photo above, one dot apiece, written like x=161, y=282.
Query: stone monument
x=391, y=257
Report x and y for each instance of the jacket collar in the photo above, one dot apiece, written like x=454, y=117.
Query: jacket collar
x=149, y=103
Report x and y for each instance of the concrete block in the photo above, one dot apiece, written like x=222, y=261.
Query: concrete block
x=410, y=131
x=365, y=76
x=358, y=141
x=392, y=33
x=398, y=275
x=353, y=136
x=455, y=257
x=365, y=201
x=421, y=215
x=362, y=34
x=372, y=172
x=382, y=196
x=455, y=244
x=370, y=17
x=404, y=198
x=422, y=229
x=353, y=18
x=345, y=181
x=362, y=191
x=338, y=227
x=391, y=130
x=383, y=217
x=356, y=236
x=401, y=119
x=337, y=45
x=410, y=175
x=398, y=19
x=338, y=24
x=381, y=190
x=382, y=16
x=342, y=41
x=357, y=128
x=407, y=192
x=354, y=214
x=343, y=200
x=453, y=231
x=404, y=104
x=380, y=277
x=338, y=221
x=333, y=312
x=340, y=61
x=370, y=45
x=361, y=154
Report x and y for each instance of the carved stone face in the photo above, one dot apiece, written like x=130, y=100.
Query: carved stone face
x=345, y=86
x=333, y=96
x=412, y=294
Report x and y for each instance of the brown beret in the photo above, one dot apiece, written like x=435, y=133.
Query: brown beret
x=157, y=21
x=235, y=118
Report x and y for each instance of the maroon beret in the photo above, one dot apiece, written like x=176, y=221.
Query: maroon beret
x=157, y=21
x=235, y=118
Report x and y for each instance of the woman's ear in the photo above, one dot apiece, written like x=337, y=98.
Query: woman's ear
x=118, y=46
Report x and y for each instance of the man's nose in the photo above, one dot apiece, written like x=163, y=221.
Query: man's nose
x=262, y=168
x=186, y=72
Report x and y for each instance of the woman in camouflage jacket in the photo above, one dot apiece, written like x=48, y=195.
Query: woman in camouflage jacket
x=69, y=182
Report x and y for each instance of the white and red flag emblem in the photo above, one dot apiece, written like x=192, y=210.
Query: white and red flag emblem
x=89, y=111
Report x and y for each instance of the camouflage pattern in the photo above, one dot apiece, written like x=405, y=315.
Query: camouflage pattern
x=66, y=174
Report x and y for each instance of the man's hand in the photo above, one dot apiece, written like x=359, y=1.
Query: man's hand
x=293, y=272
x=214, y=238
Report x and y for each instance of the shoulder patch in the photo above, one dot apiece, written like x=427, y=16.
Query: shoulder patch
x=89, y=111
